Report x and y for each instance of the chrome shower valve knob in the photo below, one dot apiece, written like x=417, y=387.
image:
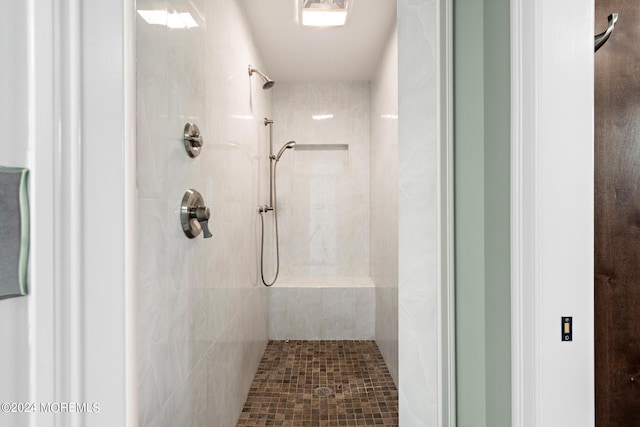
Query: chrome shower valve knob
x=193, y=140
x=194, y=215
x=202, y=214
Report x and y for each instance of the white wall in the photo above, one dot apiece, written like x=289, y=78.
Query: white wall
x=323, y=195
x=565, y=203
x=14, y=312
x=419, y=109
x=383, y=265
x=202, y=318
x=326, y=308
x=552, y=212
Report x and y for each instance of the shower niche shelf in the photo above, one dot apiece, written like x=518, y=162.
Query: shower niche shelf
x=322, y=147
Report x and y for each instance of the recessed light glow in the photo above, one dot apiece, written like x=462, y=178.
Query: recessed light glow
x=388, y=116
x=322, y=116
x=188, y=20
x=154, y=17
x=174, y=21
x=324, y=17
x=180, y=20
x=171, y=20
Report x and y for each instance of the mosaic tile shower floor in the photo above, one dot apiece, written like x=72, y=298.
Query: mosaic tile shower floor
x=321, y=383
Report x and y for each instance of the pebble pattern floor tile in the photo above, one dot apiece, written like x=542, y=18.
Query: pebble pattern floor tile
x=321, y=383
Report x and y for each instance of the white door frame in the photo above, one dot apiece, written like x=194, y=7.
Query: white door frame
x=552, y=212
x=446, y=215
x=83, y=99
x=82, y=153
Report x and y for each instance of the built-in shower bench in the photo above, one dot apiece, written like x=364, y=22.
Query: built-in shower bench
x=322, y=308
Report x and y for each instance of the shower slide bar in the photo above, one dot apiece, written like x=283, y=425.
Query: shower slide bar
x=602, y=38
x=328, y=147
x=273, y=202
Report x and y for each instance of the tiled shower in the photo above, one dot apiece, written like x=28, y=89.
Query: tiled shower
x=204, y=318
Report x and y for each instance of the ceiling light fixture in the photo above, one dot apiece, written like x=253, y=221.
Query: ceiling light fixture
x=323, y=13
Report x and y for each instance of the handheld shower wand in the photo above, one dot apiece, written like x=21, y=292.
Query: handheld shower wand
x=289, y=144
x=273, y=163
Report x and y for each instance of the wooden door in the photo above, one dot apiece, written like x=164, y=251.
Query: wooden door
x=617, y=217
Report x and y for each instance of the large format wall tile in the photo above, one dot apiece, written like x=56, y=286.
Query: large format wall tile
x=322, y=311
x=323, y=194
x=418, y=95
x=202, y=319
x=384, y=202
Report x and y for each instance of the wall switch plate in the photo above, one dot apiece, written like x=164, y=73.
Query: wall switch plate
x=567, y=328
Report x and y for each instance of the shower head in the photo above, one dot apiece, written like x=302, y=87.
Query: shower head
x=289, y=144
x=268, y=83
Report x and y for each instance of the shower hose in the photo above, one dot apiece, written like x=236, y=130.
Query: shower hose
x=275, y=218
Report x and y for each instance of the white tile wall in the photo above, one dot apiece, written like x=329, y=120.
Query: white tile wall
x=201, y=315
x=323, y=195
x=418, y=95
x=384, y=202
x=326, y=309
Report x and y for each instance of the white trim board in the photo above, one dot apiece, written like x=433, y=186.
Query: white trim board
x=81, y=75
x=107, y=157
x=446, y=269
x=552, y=212
x=43, y=149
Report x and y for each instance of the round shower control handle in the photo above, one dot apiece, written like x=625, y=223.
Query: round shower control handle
x=194, y=215
x=195, y=141
x=192, y=139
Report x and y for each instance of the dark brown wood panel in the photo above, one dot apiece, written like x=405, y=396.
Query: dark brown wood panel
x=617, y=217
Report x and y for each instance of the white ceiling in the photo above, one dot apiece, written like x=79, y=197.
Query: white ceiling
x=293, y=53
